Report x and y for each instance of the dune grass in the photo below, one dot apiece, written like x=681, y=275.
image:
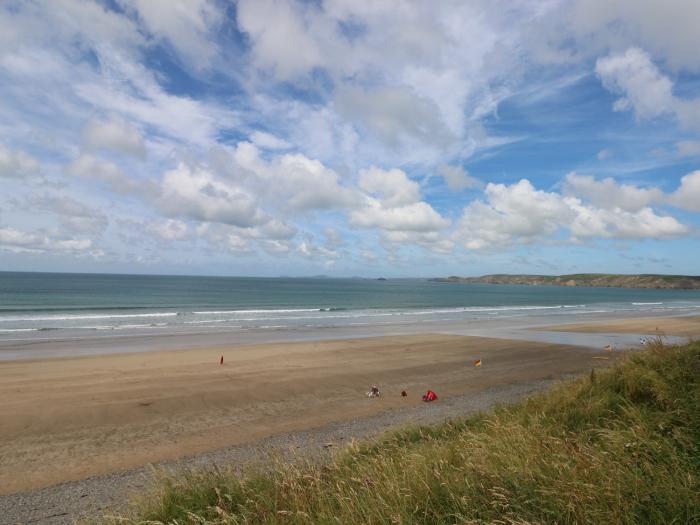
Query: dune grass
x=620, y=445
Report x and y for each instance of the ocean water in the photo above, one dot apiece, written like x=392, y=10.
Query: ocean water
x=43, y=305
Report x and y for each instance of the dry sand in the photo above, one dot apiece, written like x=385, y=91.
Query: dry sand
x=67, y=419
x=657, y=326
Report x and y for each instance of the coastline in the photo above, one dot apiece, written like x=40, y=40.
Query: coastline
x=529, y=326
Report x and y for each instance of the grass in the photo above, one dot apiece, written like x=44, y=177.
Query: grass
x=620, y=445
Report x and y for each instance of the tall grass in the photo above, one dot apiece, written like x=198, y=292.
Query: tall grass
x=620, y=445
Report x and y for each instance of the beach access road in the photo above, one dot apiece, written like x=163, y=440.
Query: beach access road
x=71, y=418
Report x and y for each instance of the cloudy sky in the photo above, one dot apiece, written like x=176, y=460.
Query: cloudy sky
x=344, y=137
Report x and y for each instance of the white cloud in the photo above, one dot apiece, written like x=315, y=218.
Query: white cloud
x=512, y=212
x=88, y=166
x=520, y=213
x=394, y=203
x=186, y=24
x=644, y=88
x=633, y=75
x=417, y=217
x=168, y=230
x=688, y=193
x=196, y=193
x=282, y=40
x=293, y=181
x=457, y=178
x=266, y=140
x=115, y=135
x=393, y=187
x=607, y=193
x=17, y=163
x=14, y=240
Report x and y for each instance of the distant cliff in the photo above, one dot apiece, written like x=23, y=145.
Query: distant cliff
x=604, y=280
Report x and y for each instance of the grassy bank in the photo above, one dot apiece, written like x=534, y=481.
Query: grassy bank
x=619, y=446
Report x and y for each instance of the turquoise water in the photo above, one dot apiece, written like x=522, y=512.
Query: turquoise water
x=32, y=303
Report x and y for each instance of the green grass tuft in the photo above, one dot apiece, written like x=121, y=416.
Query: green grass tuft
x=620, y=445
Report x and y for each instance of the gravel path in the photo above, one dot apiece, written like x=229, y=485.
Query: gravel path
x=107, y=494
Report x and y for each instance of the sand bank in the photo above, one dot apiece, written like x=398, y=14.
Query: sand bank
x=66, y=419
x=656, y=326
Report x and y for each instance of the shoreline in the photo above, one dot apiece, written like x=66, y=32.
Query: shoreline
x=531, y=327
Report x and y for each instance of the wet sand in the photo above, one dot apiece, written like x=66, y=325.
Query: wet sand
x=70, y=418
x=656, y=326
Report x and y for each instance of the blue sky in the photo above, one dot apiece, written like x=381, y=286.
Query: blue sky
x=279, y=137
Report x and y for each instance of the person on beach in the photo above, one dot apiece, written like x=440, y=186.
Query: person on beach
x=430, y=396
x=373, y=391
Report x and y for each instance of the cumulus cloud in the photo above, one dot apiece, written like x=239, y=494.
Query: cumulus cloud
x=419, y=216
x=643, y=88
x=17, y=164
x=520, y=213
x=393, y=187
x=115, y=135
x=688, y=193
x=293, y=181
x=393, y=203
x=609, y=194
x=324, y=92
x=196, y=193
x=635, y=76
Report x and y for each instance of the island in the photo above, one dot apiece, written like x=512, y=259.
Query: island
x=602, y=280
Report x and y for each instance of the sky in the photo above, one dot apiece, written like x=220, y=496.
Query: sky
x=349, y=137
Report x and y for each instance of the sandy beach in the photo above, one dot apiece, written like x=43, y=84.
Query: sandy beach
x=70, y=418
x=657, y=326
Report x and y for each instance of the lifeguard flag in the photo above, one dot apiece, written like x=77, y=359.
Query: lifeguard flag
x=477, y=362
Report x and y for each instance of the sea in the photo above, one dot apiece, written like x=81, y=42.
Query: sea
x=52, y=305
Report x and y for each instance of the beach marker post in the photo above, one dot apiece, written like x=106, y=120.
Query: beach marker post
x=221, y=361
